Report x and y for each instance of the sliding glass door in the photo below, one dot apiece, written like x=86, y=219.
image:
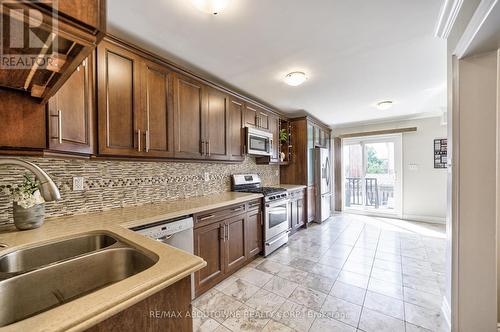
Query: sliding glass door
x=372, y=175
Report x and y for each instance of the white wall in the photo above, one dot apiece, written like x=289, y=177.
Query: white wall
x=424, y=189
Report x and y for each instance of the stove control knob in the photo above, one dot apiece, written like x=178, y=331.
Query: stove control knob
x=272, y=198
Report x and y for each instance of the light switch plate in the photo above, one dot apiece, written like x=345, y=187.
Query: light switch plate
x=413, y=167
x=78, y=183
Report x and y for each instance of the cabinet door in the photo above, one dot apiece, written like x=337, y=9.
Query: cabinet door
x=235, y=242
x=251, y=115
x=253, y=235
x=158, y=115
x=292, y=214
x=236, y=129
x=317, y=136
x=70, y=113
x=263, y=120
x=119, y=101
x=300, y=219
x=209, y=244
x=217, y=125
x=189, y=106
x=274, y=128
x=311, y=203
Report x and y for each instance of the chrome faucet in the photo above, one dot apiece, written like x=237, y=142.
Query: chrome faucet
x=48, y=188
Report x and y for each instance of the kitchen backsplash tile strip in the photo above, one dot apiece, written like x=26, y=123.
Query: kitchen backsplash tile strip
x=113, y=184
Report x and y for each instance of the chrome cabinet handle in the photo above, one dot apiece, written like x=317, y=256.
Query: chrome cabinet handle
x=207, y=217
x=138, y=140
x=202, y=147
x=59, y=125
x=227, y=232
x=147, y=140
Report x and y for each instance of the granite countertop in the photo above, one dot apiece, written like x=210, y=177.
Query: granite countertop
x=172, y=265
x=292, y=187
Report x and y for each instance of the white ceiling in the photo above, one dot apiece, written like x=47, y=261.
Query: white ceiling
x=355, y=52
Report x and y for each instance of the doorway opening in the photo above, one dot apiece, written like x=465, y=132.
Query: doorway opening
x=372, y=178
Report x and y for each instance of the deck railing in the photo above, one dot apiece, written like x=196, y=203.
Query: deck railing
x=375, y=195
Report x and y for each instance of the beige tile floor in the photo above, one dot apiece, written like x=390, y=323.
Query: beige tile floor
x=351, y=273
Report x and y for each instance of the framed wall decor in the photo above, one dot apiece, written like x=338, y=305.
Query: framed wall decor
x=440, y=153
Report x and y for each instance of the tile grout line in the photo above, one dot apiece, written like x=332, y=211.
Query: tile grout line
x=369, y=277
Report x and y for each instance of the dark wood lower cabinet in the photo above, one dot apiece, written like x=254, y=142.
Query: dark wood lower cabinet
x=155, y=313
x=226, y=239
x=311, y=203
x=209, y=244
x=297, y=212
x=253, y=229
x=236, y=239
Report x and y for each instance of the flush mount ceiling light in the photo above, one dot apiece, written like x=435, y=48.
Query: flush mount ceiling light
x=295, y=78
x=385, y=105
x=211, y=6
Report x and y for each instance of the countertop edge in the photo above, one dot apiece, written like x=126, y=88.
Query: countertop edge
x=132, y=300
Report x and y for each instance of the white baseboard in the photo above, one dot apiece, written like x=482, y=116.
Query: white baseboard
x=429, y=219
x=446, y=310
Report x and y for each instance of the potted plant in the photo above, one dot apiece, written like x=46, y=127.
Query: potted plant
x=283, y=135
x=29, y=205
x=283, y=139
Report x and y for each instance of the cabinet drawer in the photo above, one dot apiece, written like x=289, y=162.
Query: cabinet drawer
x=254, y=205
x=205, y=218
x=297, y=194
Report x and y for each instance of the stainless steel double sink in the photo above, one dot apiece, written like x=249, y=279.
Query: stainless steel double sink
x=39, y=278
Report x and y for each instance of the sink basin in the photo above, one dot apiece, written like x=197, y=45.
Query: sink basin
x=28, y=294
x=27, y=259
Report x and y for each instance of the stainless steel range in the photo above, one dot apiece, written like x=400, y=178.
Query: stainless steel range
x=275, y=209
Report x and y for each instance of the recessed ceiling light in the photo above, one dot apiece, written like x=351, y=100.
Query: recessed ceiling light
x=295, y=78
x=385, y=105
x=211, y=6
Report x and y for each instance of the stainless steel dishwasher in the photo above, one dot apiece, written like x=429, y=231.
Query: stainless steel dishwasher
x=177, y=232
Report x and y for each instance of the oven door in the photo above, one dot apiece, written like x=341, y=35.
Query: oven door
x=276, y=218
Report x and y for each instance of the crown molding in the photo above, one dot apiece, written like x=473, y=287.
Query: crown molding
x=447, y=17
x=482, y=30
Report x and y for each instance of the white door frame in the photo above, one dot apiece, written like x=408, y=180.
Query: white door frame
x=398, y=169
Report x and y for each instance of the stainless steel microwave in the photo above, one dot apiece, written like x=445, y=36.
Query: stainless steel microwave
x=259, y=142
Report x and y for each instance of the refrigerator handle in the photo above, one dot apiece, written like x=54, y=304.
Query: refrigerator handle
x=328, y=171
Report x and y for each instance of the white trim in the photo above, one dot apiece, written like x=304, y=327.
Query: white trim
x=446, y=311
x=429, y=219
x=475, y=24
x=395, y=119
x=447, y=16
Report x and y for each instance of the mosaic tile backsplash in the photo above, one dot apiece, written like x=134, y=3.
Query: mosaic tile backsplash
x=114, y=184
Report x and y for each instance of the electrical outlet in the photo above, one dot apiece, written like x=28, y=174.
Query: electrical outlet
x=206, y=176
x=77, y=183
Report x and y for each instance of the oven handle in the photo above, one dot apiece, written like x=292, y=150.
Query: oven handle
x=273, y=242
x=273, y=204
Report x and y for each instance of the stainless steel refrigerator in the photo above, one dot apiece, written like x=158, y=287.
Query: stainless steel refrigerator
x=323, y=183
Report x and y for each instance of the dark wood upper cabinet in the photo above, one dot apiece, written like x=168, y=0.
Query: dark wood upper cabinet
x=189, y=109
x=263, y=120
x=79, y=29
x=236, y=129
x=256, y=117
x=274, y=128
x=85, y=11
x=119, y=101
x=217, y=125
x=250, y=116
x=158, y=115
x=70, y=113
